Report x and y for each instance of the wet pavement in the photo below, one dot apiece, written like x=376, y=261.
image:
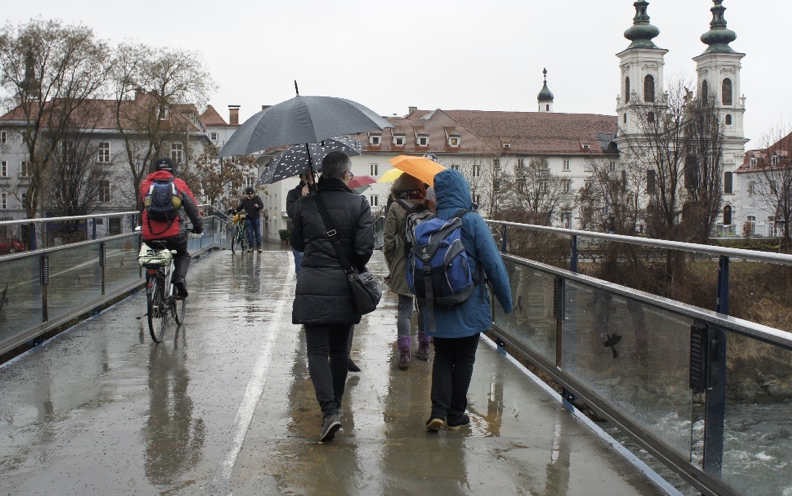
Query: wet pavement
x=225, y=406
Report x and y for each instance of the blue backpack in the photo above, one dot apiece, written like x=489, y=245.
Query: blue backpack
x=438, y=269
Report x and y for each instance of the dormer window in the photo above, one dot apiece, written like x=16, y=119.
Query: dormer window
x=164, y=114
x=453, y=141
x=507, y=146
x=774, y=160
x=753, y=163
x=375, y=140
x=398, y=140
x=587, y=147
x=422, y=140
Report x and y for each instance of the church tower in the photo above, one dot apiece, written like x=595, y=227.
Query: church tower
x=545, y=97
x=718, y=81
x=641, y=71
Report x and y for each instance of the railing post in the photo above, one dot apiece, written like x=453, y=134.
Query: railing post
x=102, y=260
x=504, y=239
x=574, y=255
x=44, y=281
x=32, y=236
x=94, y=228
x=722, y=302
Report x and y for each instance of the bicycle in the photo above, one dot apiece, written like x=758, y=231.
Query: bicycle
x=161, y=301
x=238, y=238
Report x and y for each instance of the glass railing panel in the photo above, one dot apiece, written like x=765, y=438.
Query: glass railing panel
x=532, y=322
x=634, y=356
x=757, y=449
x=75, y=279
x=20, y=296
x=121, y=266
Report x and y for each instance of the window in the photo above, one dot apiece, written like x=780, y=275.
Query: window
x=587, y=147
x=375, y=140
x=67, y=153
x=626, y=90
x=177, y=152
x=705, y=92
x=566, y=165
x=650, y=182
x=104, y=152
x=750, y=222
x=728, y=119
x=566, y=219
x=24, y=169
x=520, y=163
x=520, y=185
x=3, y=137
x=726, y=92
x=507, y=146
x=398, y=140
x=423, y=140
x=774, y=160
x=163, y=114
x=496, y=163
x=751, y=188
x=476, y=199
x=476, y=170
x=24, y=198
x=771, y=226
x=455, y=167
x=3, y=169
x=625, y=118
x=752, y=162
x=727, y=215
x=213, y=136
x=547, y=107
x=649, y=89
x=374, y=200
x=566, y=184
x=728, y=186
x=4, y=200
x=543, y=186
x=104, y=190
x=373, y=169
x=250, y=182
x=453, y=141
x=612, y=165
x=650, y=117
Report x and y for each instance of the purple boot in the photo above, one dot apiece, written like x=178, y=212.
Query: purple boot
x=423, y=346
x=404, y=343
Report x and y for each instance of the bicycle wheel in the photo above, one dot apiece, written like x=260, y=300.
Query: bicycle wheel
x=242, y=241
x=159, y=311
x=234, y=241
x=177, y=308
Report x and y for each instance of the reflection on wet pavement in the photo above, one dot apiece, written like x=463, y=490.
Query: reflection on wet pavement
x=101, y=410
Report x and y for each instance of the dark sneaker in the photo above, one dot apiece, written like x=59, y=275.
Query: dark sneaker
x=455, y=427
x=330, y=426
x=351, y=367
x=181, y=288
x=434, y=424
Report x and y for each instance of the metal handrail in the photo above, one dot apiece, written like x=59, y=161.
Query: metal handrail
x=44, y=220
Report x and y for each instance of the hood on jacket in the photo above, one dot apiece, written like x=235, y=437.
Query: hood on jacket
x=452, y=191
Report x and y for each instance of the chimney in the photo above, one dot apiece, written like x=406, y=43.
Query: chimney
x=233, y=115
x=265, y=107
x=411, y=110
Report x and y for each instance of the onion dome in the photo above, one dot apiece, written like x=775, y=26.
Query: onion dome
x=718, y=37
x=641, y=33
x=545, y=95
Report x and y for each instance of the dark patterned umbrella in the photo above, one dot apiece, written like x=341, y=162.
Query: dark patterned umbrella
x=300, y=159
x=303, y=119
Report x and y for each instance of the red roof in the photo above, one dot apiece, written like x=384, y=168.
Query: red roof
x=211, y=117
x=782, y=149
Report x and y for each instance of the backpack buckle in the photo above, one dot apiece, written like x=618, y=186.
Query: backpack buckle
x=331, y=233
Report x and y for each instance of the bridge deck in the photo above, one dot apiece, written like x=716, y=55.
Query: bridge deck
x=226, y=406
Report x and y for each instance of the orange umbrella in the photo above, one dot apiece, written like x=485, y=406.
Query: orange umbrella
x=421, y=167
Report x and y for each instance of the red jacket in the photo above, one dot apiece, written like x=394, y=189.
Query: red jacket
x=159, y=229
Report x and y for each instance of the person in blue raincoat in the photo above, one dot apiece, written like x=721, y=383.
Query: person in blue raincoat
x=457, y=328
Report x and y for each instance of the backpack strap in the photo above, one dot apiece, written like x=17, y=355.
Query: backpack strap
x=332, y=234
x=482, y=280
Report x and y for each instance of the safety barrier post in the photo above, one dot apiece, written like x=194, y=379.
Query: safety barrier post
x=574, y=256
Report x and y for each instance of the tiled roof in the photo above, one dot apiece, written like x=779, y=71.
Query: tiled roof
x=781, y=148
x=211, y=117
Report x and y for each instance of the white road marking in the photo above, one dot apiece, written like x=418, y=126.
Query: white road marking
x=254, y=390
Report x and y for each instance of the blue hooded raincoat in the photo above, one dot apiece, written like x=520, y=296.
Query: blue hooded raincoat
x=474, y=315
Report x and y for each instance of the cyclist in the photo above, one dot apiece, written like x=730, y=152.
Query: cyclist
x=252, y=206
x=173, y=230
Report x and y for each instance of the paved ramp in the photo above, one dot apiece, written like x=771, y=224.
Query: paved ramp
x=225, y=406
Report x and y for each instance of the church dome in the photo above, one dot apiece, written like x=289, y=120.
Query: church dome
x=641, y=32
x=718, y=37
x=545, y=95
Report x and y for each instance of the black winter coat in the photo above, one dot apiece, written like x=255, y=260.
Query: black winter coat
x=251, y=206
x=323, y=295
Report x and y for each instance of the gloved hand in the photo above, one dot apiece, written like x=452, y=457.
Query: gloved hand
x=198, y=228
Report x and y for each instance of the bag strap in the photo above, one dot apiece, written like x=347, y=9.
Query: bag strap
x=332, y=234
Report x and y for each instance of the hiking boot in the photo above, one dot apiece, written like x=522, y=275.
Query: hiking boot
x=330, y=426
x=351, y=367
x=181, y=288
x=404, y=343
x=434, y=424
x=462, y=423
x=423, y=346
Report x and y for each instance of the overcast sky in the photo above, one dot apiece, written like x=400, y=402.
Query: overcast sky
x=461, y=54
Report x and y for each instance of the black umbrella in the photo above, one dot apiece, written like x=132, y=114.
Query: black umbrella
x=303, y=119
x=300, y=159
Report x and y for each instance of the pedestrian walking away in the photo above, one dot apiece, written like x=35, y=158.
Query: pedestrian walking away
x=409, y=195
x=164, y=199
x=252, y=206
x=323, y=300
x=456, y=329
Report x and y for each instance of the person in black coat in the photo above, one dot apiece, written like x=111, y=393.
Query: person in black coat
x=252, y=206
x=305, y=188
x=323, y=301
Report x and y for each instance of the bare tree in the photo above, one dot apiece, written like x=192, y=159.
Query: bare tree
x=773, y=189
x=222, y=180
x=48, y=71
x=536, y=193
x=611, y=199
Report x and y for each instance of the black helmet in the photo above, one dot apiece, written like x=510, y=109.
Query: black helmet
x=249, y=190
x=164, y=163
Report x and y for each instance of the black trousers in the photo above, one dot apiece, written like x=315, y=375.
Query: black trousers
x=451, y=374
x=328, y=376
